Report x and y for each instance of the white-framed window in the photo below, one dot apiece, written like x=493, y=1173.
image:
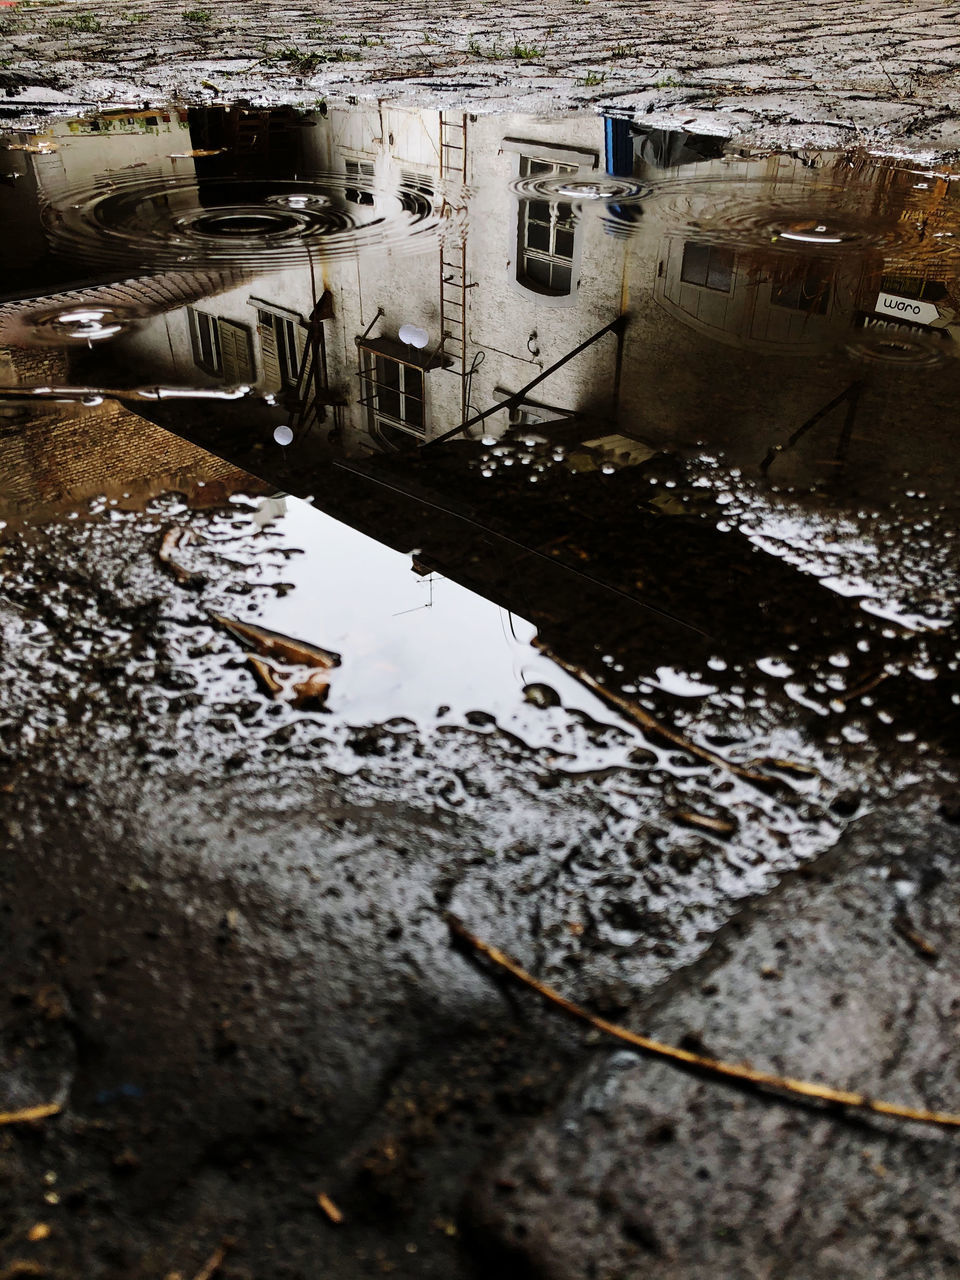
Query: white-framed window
x=394, y=392
x=221, y=347
x=547, y=234
x=362, y=170
x=282, y=341
x=205, y=340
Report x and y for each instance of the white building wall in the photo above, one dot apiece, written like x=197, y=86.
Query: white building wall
x=519, y=332
x=677, y=357
x=127, y=145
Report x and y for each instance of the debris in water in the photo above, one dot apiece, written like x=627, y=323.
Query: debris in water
x=867, y=686
x=333, y=1212
x=175, y=538
x=703, y=822
x=264, y=675
x=541, y=695
x=272, y=644
x=30, y=1113
x=792, y=767
x=650, y=725
x=712, y=1066
x=172, y=538
x=311, y=694
x=924, y=949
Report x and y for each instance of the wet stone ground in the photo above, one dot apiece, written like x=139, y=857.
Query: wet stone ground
x=650, y=677
x=814, y=73
x=228, y=955
x=643, y=1170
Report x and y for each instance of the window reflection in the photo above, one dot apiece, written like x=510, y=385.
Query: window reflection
x=547, y=235
x=393, y=391
x=708, y=265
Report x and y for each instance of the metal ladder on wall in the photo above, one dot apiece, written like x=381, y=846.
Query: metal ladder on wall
x=312, y=395
x=453, y=258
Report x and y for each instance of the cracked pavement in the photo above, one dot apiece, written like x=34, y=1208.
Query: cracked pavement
x=886, y=75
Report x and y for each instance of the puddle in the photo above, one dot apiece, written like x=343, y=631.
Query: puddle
x=610, y=444
x=550, y=521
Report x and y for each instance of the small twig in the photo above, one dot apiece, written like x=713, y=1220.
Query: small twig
x=705, y=822
x=925, y=949
x=30, y=1113
x=893, y=84
x=273, y=644
x=175, y=538
x=728, y=1070
x=651, y=725
x=332, y=1210
x=866, y=686
x=264, y=675
x=793, y=767
x=212, y=1264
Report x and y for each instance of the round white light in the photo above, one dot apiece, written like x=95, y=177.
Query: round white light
x=413, y=336
x=283, y=435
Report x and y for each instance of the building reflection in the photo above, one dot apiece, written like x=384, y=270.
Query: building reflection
x=766, y=329
x=596, y=305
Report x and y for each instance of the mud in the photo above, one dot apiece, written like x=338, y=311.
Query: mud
x=251, y=1004
x=657, y=691
x=228, y=957
x=847, y=975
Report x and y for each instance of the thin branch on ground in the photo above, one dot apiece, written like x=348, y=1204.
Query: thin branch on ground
x=332, y=1210
x=711, y=1066
x=212, y=1264
x=631, y=710
x=30, y=1113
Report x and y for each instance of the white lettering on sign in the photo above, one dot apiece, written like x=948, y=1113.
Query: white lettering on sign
x=888, y=304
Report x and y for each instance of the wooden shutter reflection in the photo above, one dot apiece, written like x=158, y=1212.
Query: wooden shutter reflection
x=195, y=337
x=268, y=351
x=235, y=352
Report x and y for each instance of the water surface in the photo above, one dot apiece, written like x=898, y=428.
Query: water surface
x=622, y=442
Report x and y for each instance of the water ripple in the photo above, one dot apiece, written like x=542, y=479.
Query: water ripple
x=822, y=220
x=166, y=222
x=601, y=189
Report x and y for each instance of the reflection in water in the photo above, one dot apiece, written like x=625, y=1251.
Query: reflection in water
x=403, y=623
x=168, y=221
x=681, y=409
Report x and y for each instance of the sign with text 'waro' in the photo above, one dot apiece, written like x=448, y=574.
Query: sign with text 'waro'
x=888, y=304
